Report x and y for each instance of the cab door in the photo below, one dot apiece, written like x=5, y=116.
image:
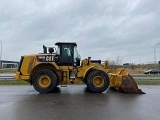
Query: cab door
x=65, y=57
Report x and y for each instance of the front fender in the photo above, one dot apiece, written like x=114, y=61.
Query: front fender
x=82, y=71
x=87, y=70
x=86, y=67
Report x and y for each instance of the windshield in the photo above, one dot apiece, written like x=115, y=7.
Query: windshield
x=58, y=50
x=76, y=55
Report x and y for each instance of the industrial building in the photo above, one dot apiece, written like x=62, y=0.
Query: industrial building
x=9, y=64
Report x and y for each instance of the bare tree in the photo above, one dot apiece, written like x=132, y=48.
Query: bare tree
x=113, y=64
x=118, y=60
x=132, y=65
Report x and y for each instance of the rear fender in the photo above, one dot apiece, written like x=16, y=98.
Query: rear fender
x=42, y=66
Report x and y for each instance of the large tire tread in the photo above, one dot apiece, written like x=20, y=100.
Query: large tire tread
x=91, y=87
x=51, y=75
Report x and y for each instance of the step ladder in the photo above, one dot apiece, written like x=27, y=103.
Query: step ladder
x=65, y=75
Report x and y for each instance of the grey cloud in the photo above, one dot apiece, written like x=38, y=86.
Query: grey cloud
x=102, y=29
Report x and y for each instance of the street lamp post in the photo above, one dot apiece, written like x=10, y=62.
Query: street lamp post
x=1, y=55
x=155, y=54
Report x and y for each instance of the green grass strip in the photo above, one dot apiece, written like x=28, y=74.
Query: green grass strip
x=13, y=82
x=148, y=82
x=8, y=70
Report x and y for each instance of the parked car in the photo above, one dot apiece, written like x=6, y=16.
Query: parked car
x=152, y=71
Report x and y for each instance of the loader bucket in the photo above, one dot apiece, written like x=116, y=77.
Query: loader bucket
x=123, y=82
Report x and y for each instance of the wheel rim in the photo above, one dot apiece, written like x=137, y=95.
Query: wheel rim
x=98, y=81
x=44, y=81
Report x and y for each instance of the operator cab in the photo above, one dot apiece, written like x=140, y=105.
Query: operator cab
x=67, y=54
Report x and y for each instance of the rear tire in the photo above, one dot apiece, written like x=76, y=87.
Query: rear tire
x=97, y=81
x=44, y=81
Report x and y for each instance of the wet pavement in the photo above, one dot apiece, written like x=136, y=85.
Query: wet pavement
x=75, y=103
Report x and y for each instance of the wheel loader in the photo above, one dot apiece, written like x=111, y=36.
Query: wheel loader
x=63, y=66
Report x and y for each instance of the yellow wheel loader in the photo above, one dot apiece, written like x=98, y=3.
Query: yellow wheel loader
x=63, y=66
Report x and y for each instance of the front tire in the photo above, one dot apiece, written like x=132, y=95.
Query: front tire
x=97, y=81
x=44, y=81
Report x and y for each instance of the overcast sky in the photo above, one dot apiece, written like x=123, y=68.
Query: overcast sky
x=103, y=29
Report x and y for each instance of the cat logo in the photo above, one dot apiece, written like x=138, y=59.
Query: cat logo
x=49, y=58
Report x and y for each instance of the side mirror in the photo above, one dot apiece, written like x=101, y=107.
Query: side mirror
x=51, y=50
x=78, y=61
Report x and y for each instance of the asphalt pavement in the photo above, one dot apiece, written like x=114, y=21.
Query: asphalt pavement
x=76, y=103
